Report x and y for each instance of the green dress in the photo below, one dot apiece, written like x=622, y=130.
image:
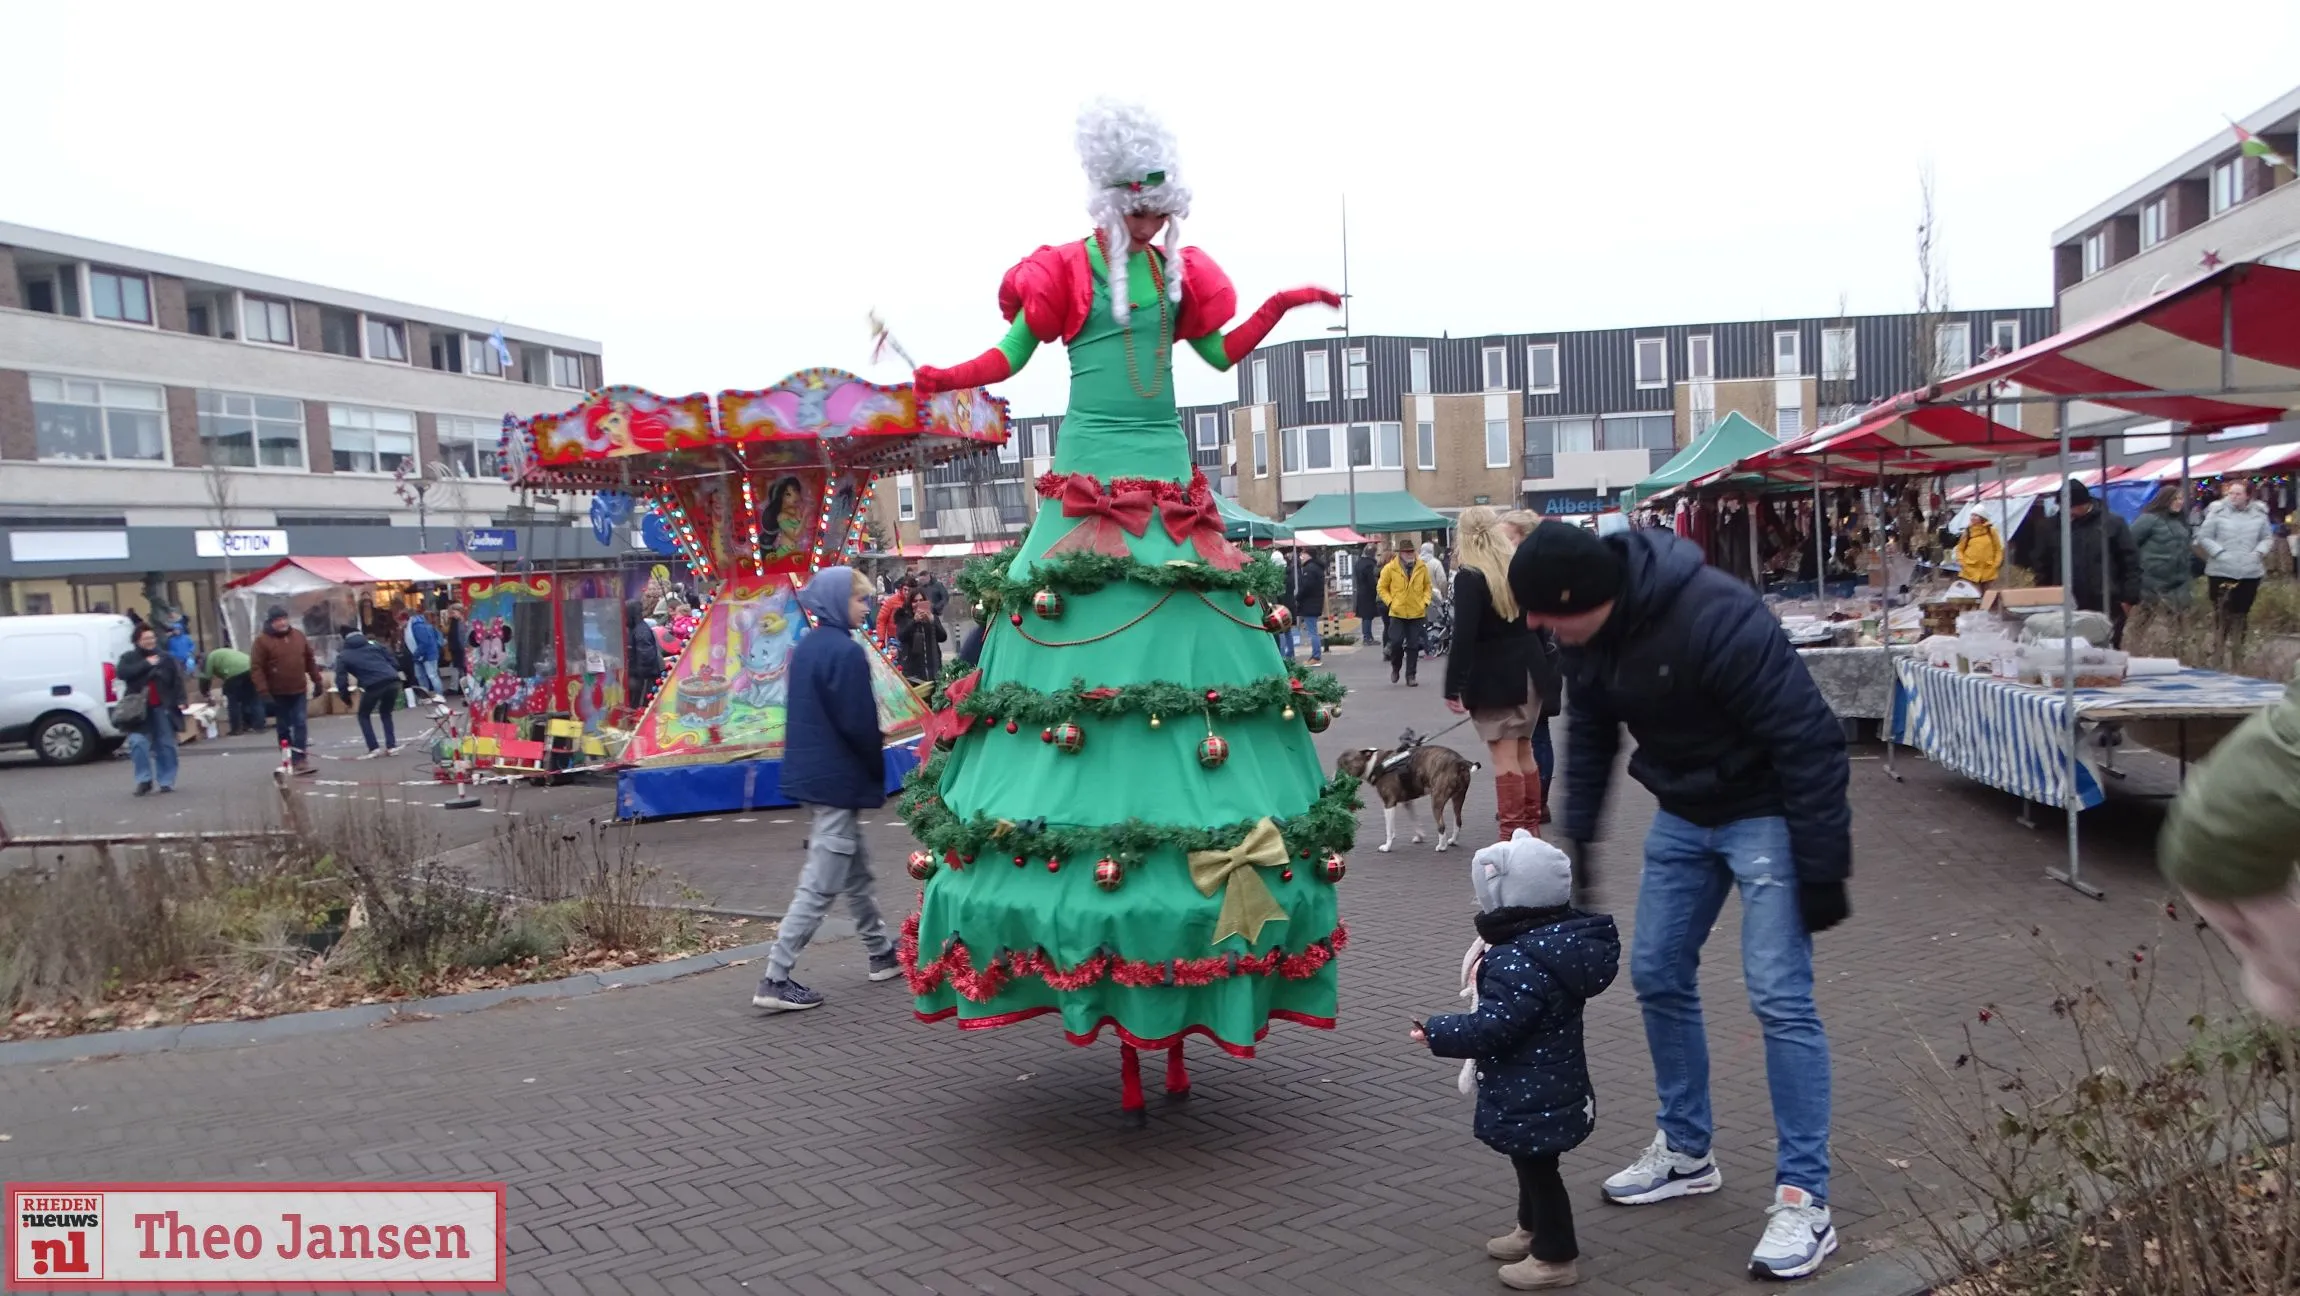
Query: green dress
x=997, y=941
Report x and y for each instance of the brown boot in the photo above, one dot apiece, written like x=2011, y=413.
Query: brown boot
x=1530, y=1274
x=1509, y=803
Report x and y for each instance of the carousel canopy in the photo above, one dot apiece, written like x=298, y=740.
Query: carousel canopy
x=1242, y=523
x=1378, y=512
x=1731, y=440
x=304, y=575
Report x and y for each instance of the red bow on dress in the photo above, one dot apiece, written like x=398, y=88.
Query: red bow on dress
x=1108, y=519
x=1200, y=526
x=949, y=722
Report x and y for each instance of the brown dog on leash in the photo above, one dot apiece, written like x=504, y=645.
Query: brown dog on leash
x=1408, y=772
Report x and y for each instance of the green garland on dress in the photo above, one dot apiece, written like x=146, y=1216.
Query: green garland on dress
x=1330, y=824
x=1035, y=708
x=985, y=580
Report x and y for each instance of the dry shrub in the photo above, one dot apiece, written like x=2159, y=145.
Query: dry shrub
x=2112, y=1148
x=615, y=900
x=420, y=915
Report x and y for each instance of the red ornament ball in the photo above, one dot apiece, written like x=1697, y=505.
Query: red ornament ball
x=1333, y=868
x=1285, y=875
x=1213, y=696
x=1278, y=619
x=1067, y=738
x=1047, y=604
x=1107, y=874
x=1018, y=861
x=1319, y=717
x=1016, y=618
x=1012, y=727
x=1046, y=735
x=1054, y=866
x=921, y=865
x=1213, y=750
x=1249, y=600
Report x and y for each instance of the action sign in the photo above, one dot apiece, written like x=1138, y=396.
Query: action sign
x=190, y=1237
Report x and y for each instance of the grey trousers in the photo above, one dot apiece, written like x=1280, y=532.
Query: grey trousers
x=837, y=865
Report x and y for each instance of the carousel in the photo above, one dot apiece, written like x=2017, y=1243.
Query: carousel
x=758, y=489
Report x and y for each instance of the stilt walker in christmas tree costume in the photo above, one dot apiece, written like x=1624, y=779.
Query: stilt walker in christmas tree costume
x=1130, y=827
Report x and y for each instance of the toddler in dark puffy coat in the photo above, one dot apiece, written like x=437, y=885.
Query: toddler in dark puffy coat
x=1541, y=961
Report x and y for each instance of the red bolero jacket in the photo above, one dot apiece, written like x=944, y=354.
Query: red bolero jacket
x=1053, y=287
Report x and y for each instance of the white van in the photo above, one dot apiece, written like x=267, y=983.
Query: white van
x=58, y=681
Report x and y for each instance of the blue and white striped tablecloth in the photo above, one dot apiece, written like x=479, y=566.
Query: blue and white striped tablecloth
x=2015, y=737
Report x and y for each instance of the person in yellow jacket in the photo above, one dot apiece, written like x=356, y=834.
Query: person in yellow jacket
x=1981, y=554
x=1404, y=588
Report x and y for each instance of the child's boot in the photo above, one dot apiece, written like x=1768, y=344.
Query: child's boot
x=1530, y=1274
x=1516, y=1244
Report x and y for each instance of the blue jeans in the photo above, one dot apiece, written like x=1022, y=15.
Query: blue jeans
x=427, y=676
x=1688, y=870
x=1307, y=626
x=289, y=713
x=152, y=749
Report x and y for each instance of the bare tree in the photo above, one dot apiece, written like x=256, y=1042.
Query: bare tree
x=1932, y=286
x=223, y=487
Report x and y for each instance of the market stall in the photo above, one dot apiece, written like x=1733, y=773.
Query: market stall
x=758, y=489
x=325, y=597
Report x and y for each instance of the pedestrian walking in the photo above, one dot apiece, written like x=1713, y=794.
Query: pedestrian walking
x=2167, y=552
x=2235, y=537
x=455, y=636
x=644, y=655
x=1404, y=588
x=243, y=710
x=834, y=764
x=180, y=644
x=1306, y=599
x=1496, y=672
x=281, y=661
x=1535, y=963
x=2091, y=529
x=423, y=651
x=1366, y=586
x=1749, y=766
x=151, y=710
x=364, y=662
x=1981, y=553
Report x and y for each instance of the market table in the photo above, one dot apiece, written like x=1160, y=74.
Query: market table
x=2014, y=737
x=1857, y=683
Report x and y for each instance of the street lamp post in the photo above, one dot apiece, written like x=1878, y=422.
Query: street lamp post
x=1349, y=397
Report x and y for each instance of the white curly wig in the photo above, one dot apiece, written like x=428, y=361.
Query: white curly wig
x=1131, y=166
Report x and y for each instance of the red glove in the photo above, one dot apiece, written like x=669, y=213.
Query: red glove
x=1257, y=326
x=989, y=367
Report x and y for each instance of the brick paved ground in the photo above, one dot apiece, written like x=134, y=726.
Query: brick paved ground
x=672, y=1139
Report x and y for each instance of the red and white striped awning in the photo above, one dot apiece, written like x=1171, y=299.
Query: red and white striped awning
x=307, y=573
x=1925, y=438
x=1325, y=538
x=2021, y=487
x=2219, y=463
x=2163, y=357
x=953, y=549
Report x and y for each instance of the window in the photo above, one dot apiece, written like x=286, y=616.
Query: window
x=567, y=371
x=905, y=501
x=1496, y=369
x=1497, y=443
x=1541, y=368
x=1788, y=354
x=1261, y=453
x=480, y=357
x=267, y=320
x=1789, y=421
x=1317, y=449
x=1261, y=380
x=2155, y=222
x=1562, y=436
x=83, y=420
x=2004, y=335
x=1315, y=381
x=1636, y=432
x=241, y=431
x=1652, y=362
x=2096, y=252
x=1289, y=451
x=1952, y=348
x=1361, y=446
x=386, y=340
x=1354, y=373
x=370, y=440
x=1418, y=371
x=1425, y=446
x=1838, y=356
x=1041, y=440
x=1700, y=358
x=468, y=445
x=1209, y=431
x=1389, y=445
x=2227, y=185
x=121, y=295
x=1010, y=450
x=534, y=365
x=338, y=332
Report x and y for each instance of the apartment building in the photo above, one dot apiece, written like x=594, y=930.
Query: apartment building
x=2213, y=205
x=162, y=419
x=1561, y=422
x=992, y=496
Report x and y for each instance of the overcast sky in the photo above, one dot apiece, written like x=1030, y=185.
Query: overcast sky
x=719, y=193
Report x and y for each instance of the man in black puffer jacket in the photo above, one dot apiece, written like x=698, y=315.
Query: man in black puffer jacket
x=365, y=662
x=1748, y=763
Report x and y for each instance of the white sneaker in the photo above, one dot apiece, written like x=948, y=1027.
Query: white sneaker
x=1798, y=1236
x=1661, y=1174
x=370, y=754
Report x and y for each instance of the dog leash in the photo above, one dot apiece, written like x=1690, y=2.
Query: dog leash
x=1410, y=742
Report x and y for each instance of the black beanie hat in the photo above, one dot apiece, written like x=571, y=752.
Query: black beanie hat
x=2078, y=492
x=1561, y=569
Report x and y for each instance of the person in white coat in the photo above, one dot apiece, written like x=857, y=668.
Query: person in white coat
x=2234, y=538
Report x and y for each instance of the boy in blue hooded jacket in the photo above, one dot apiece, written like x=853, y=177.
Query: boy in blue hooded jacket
x=1540, y=961
x=834, y=764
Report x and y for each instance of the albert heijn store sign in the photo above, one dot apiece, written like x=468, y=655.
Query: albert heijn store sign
x=210, y=1236
x=240, y=544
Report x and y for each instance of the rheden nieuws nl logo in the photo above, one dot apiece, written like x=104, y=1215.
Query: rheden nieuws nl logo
x=188, y=1237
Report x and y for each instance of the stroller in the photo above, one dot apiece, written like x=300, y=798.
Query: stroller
x=1437, y=629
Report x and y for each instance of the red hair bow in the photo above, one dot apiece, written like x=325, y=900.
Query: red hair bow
x=1199, y=525
x=1107, y=519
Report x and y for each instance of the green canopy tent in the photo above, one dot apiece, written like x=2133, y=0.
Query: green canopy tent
x=1733, y=439
x=1378, y=512
x=1241, y=523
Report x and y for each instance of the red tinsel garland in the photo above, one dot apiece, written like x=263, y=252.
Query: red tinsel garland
x=956, y=965
x=1051, y=485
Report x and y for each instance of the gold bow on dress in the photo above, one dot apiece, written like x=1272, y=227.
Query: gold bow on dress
x=1247, y=903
